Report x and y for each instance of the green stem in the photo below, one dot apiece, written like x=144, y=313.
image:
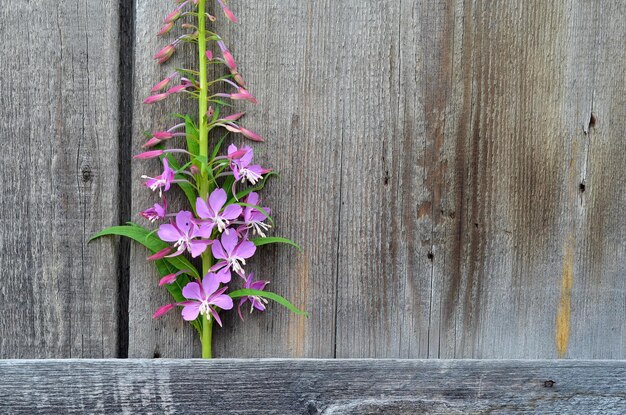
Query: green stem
x=207, y=329
x=202, y=106
x=203, y=131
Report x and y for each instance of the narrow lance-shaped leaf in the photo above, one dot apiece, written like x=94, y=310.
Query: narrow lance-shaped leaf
x=150, y=241
x=274, y=240
x=270, y=296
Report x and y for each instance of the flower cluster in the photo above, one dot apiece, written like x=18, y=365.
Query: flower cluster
x=225, y=220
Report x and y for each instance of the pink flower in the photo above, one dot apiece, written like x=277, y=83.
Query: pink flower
x=156, y=212
x=233, y=253
x=212, y=211
x=159, y=255
x=203, y=298
x=241, y=167
x=148, y=155
x=162, y=181
x=253, y=218
x=182, y=232
x=161, y=85
x=255, y=301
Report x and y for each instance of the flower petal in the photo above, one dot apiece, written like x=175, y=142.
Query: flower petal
x=184, y=221
x=217, y=200
x=190, y=312
x=197, y=247
x=215, y=316
x=223, y=301
x=210, y=283
x=202, y=209
x=229, y=242
x=193, y=291
x=245, y=249
x=232, y=212
x=168, y=232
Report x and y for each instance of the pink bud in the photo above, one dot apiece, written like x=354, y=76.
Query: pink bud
x=149, y=155
x=176, y=89
x=228, y=57
x=173, y=16
x=244, y=94
x=161, y=85
x=187, y=26
x=168, y=279
x=166, y=29
x=239, y=79
x=251, y=135
x=227, y=12
x=210, y=112
x=211, y=17
x=151, y=142
x=164, y=54
x=194, y=170
x=163, y=310
x=163, y=135
x=159, y=255
x=156, y=98
x=209, y=55
x=238, y=154
x=234, y=117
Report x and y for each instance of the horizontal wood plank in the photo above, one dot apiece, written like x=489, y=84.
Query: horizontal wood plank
x=312, y=386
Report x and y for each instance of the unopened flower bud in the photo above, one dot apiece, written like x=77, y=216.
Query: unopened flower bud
x=155, y=98
x=166, y=29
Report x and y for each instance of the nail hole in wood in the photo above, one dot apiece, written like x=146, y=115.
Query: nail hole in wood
x=430, y=255
x=592, y=120
x=548, y=383
x=582, y=187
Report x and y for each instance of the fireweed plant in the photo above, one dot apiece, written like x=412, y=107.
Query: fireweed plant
x=225, y=221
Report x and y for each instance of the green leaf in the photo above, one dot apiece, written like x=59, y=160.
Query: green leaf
x=187, y=188
x=275, y=240
x=150, y=241
x=269, y=295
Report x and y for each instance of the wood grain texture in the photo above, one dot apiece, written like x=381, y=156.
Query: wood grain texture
x=168, y=336
x=58, y=163
x=312, y=387
x=481, y=227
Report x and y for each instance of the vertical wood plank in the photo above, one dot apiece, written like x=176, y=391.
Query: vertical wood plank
x=489, y=152
x=289, y=61
x=59, y=125
x=168, y=336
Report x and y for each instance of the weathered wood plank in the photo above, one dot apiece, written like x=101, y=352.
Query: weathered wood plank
x=289, y=61
x=480, y=174
x=312, y=386
x=59, y=126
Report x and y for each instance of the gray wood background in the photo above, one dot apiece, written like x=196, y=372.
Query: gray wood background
x=314, y=387
x=454, y=171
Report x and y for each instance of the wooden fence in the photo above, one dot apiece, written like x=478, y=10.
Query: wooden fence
x=454, y=171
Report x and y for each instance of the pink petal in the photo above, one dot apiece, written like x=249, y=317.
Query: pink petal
x=202, y=209
x=190, y=312
x=148, y=154
x=223, y=301
x=193, y=291
x=209, y=55
x=216, y=316
x=184, y=220
x=156, y=98
x=229, y=242
x=210, y=283
x=232, y=212
x=223, y=275
x=218, y=251
x=168, y=233
x=246, y=249
x=197, y=247
x=217, y=199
